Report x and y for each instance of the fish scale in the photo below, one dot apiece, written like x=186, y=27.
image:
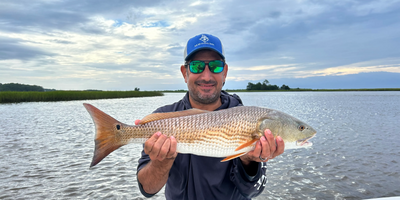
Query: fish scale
x=225, y=133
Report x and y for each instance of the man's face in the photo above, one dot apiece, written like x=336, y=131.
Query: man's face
x=205, y=87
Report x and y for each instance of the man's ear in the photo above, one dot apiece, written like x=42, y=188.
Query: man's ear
x=184, y=72
x=225, y=71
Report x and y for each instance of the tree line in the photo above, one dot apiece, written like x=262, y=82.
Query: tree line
x=20, y=87
x=17, y=87
x=265, y=86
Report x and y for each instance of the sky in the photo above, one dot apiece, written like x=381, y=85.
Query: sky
x=120, y=45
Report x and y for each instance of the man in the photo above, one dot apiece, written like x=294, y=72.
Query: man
x=190, y=176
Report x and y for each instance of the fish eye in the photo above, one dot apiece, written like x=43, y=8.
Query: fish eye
x=301, y=128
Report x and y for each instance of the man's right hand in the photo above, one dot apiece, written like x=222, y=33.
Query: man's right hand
x=159, y=146
x=162, y=153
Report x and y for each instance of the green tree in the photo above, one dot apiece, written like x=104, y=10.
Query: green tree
x=20, y=87
x=272, y=87
x=264, y=86
x=250, y=86
x=257, y=86
x=285, y=87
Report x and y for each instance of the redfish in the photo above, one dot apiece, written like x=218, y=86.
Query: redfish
x=227, y=133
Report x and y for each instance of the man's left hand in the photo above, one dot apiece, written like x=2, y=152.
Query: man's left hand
x=266, y=148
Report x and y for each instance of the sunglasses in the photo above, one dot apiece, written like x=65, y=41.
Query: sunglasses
x=215, y=66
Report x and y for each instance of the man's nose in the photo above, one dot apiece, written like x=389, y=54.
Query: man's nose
x=206, y=74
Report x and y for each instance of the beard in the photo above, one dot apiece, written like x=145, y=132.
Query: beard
x=204, y=98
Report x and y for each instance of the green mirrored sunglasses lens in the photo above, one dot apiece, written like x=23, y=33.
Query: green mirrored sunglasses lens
x=197, y=66
x=216, y=66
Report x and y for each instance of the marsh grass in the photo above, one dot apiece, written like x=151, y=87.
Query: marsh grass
x=318, y=90
x=16, y=97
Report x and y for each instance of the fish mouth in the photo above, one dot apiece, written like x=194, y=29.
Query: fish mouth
x=304, y=142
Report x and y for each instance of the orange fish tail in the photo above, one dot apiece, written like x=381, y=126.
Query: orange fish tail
x=105, y=139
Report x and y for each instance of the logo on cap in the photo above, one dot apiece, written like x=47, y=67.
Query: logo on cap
x=204, y=38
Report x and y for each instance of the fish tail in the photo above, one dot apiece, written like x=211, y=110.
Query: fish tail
x=106, y=129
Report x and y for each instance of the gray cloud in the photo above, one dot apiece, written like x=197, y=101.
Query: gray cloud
x=11, y=48
x=149, y=36
x=176, y=49
x=64, y=15
x=61, y=41
x=17, y=17
x=332, y=33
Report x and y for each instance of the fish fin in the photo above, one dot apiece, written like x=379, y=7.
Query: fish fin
x=105, y=139
x=246, y=144
x=233, y=156
x=159, y=116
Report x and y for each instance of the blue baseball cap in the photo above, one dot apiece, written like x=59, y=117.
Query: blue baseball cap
x=203, y=41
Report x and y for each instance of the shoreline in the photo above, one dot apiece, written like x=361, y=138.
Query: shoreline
x=319, y=90
x=294, y=90
x=62, y=95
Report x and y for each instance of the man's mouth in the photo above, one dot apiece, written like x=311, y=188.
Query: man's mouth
x=206, y=85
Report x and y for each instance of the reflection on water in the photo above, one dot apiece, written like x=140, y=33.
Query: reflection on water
x=46, y=148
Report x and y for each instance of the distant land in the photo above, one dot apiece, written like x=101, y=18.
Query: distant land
x=373, y=81
x=20, y=87
x=370, y=80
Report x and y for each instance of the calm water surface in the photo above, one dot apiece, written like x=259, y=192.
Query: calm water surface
x=46, y=148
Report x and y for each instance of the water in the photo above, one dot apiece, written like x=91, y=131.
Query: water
x=46, y=148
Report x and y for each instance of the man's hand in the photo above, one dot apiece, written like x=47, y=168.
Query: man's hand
x=162, y=152
x=266, y=148
x=159, y=146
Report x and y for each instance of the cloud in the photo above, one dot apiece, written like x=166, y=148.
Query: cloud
x=266, y=67
x=354, y=69
x=256, y=73
x=12, y=48
x=132, y=43
x=350, y=81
